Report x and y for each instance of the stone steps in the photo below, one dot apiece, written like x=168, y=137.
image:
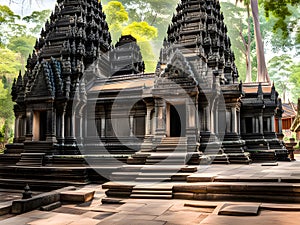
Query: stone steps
x=42, y=177
x=241, y=191
x=31, y=159
x=152, y=193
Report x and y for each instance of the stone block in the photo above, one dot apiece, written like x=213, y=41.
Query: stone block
x=26, y=205
x=240, y=209
x=79, y=196
x=50, y=207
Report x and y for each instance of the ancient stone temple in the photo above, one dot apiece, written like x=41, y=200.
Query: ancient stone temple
x=83, y=101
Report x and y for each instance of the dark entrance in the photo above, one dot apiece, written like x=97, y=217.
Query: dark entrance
x=43, y=122
x=177, y=120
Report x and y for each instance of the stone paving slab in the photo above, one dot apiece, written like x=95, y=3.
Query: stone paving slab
x=239, y=209
x=265, y=218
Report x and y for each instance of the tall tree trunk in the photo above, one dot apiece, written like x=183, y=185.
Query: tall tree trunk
x=248, y=50
x=262, y=72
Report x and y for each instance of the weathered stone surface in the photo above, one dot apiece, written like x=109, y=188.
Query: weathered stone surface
x=239, y=209
x=25, y=205
x=77, y=196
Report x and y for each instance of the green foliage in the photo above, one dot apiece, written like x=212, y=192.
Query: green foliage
x=116, y=16
x=9, y=64
x=236, y=22
x=280, y=71
x=37, y=18
x=295, y=80
x=283, y=11
x=6, y=115
x=6, y=15
x=143, y=33
x=23, y=45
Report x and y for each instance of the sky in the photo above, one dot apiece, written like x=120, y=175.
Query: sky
x=27, y=9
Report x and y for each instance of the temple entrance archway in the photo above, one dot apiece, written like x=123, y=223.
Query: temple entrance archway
x=176, y=120
x=39, y=125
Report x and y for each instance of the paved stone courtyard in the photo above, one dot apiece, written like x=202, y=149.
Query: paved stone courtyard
x=175, y=211
x=155, y=212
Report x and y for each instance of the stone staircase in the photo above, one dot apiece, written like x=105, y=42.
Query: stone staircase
x=31, y=159
x=158, y=192
x=148, y=181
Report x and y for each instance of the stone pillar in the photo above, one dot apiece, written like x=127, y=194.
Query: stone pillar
x=272, y=123
x=280, y=125
x=148, y=121
x=131, y=119
x=103, y=127
x=217, y=121
x=238, y=122
x=160, y=106
x=51, y=124
x=261, y=124
x=60, y=127
x=212, y=120
x=253, y=125
x=17, y=127
x=257, y=125
x=228, y=118
x=233, y=120
x=207, y=118
x=29, y=124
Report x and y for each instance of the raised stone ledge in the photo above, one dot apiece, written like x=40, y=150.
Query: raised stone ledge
x=26, y=205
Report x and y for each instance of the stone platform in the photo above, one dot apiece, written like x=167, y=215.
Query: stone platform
x=159, y=212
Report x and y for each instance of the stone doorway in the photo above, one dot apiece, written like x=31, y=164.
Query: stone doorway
x=39, y=126
x=177, y=119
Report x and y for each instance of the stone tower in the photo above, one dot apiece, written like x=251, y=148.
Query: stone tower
x=74, y=37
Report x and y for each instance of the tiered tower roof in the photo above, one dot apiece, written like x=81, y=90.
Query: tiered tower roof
x=74, y=37
x=126, y=57
x=198, y=30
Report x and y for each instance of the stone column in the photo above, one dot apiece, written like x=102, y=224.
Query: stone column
x=272, y=123
x=253, y=124
x=233, y=120
x=148, y=121
x=103, y=126
x=279, y=125
x=131, y=119
x=217, y=121
x=207, y=118
x=257, y=125
x=228, y=118
x=261, y=124
x=51, y=123
x=238, y=122
x=212, y=120
x=160, y=107
x=17, y=127
x=29, y=124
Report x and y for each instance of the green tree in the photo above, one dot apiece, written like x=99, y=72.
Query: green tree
x=241, y=32
x=280, y=70
x=116, y=16
x=262, y=72
x=295, y=80
x=7, y=18
x=6, y=115
x=9, y=64
x=285, y=14
x=144, y=33
x=37, y=19
x=23, y=45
